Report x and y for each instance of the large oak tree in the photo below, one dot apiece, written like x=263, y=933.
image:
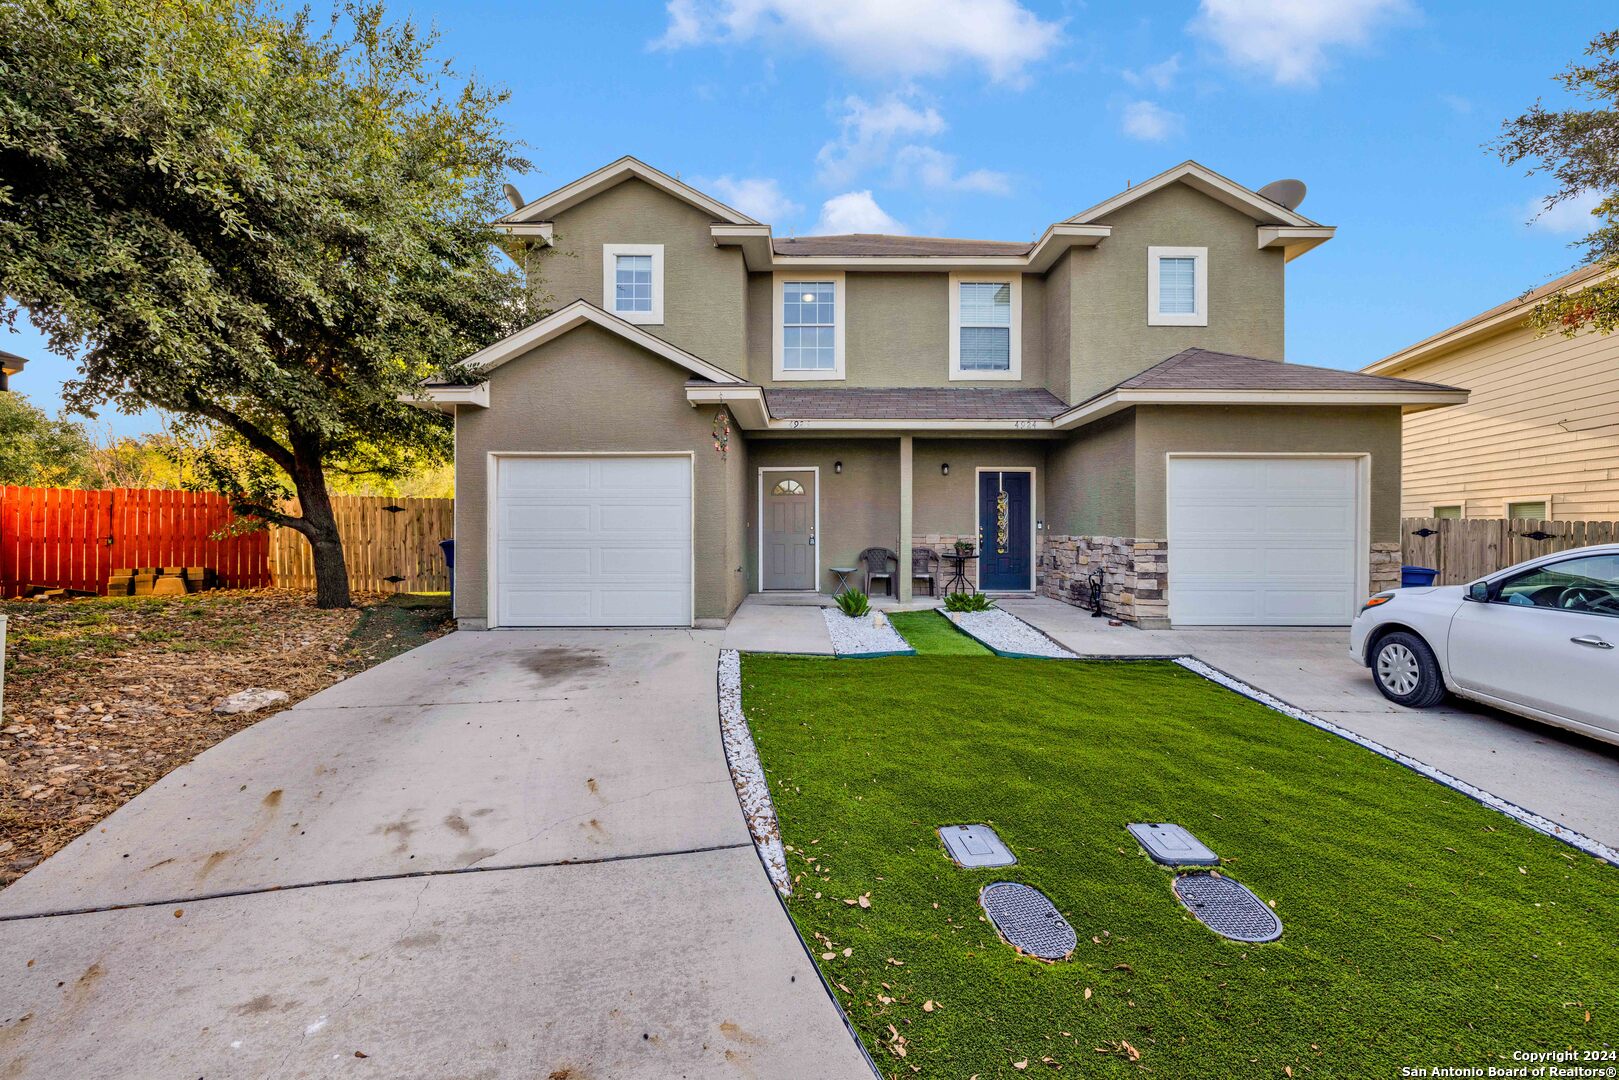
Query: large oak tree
x=271, y=228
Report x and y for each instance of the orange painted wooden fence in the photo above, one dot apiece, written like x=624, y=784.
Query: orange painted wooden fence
x=68, y=539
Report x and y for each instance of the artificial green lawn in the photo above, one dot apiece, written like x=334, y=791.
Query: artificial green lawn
x=931, y=634
x=1421, y=929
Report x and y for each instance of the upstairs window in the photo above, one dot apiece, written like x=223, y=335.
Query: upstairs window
x=1177, y=286
x=632, y=282
x=809, y=326
x=986, y=321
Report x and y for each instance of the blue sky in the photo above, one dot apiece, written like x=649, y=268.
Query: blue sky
x=994, y=118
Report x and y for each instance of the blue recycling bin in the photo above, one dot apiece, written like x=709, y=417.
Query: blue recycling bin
x=448, y=547
x=1416, y=577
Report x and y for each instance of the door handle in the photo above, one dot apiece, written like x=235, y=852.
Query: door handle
x=1592, y=641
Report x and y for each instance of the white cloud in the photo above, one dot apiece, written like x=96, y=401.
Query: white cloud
x=1568, y=217
x=1159, y=76
x=1458, y=104
x=936, y=170
x=877, y=37
x=761, y=198
x=1289, y=39
x=852, y=212
x=1150, y=122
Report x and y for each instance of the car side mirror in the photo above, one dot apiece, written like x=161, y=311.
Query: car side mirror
x=1479, y=592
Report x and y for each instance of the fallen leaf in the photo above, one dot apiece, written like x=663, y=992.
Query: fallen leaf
x=1135, y=1055
x=1024, y=1064
x=1523, y=869
x=1288, y=1069
x=927, y=1006
x=865, y=901
x=848, y=952
x=1087, y=993
x=361, y=1054
x=828, y=955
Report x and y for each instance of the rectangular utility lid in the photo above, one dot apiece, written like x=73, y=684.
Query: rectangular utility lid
x=1172, y=845
x=975, y=845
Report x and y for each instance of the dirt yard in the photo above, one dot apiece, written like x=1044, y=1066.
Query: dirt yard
x=104, y=697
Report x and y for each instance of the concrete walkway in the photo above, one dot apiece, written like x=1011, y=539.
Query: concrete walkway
x=503, y=854
x=762, y=626
x=1566, y=777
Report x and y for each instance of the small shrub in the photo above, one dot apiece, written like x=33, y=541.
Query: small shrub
x=960, y=601
x=854, y=603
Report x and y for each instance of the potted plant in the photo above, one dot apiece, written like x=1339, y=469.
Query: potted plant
x=963, y=547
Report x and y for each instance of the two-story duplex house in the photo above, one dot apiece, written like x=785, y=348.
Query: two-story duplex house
x=713, y=411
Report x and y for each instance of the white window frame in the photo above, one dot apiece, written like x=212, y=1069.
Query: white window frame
x=1199, y=317
x=778, y=295
x=1014, y=370
x=610, y=254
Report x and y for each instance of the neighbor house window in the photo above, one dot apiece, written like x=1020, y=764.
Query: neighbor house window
x=986, y=326
x=1177, y=286
x=1528, y=510
x=809, y=326
x=1453, y=513
x=632, y=281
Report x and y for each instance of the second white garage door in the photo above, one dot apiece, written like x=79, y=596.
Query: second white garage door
x=1264, y=541
x=593, y=541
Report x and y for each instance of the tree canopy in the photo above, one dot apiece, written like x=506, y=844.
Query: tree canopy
x=36, y=451
x=1579, y=148
x=270, y=229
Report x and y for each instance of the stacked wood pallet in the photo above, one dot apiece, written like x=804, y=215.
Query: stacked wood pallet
x=162, y=581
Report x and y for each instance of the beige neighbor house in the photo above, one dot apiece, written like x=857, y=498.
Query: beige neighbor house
x=713, y=411
x=1539, y=437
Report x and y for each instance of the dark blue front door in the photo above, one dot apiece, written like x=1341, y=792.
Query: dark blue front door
x=1004, y=531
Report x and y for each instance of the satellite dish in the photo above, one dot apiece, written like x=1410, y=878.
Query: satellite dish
x=1288, y=193
x=516, y=196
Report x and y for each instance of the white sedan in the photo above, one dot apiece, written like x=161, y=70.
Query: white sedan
x=1540, y=639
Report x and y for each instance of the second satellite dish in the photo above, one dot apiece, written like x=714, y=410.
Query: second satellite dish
x=1288, y=193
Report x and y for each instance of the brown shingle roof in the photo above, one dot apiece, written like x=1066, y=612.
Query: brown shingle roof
x=1200, y=369
x=913, y=403
x=880, y=244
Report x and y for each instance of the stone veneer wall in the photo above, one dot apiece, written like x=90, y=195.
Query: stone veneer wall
x=942, y=544
x=1385, y=568
x=1135, y=577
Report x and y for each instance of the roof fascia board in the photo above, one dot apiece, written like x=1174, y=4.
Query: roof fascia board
x=759, y=252
x=547, y=206
x=1116, y=400
x=1294, y=240
x=752, y=413
x=576, y=314
x=1209, y=183
x=542, y=230
x=445, y=399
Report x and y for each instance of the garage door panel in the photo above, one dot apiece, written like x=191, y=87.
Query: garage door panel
x=1256, y=541
x=593, y=541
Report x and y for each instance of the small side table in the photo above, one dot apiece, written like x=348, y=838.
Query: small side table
x=958, y=572
x=843, y=573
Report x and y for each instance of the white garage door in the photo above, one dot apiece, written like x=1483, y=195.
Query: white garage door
x=593, y=541
x=1263, y=541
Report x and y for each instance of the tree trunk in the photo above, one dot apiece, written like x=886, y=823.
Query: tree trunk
x=331, y=569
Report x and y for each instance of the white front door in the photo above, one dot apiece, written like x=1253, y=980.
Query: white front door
x=592, y=541
x=1264, y=541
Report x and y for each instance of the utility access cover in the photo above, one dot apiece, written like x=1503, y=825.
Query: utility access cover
x=1027, y=920
x=1172, y=845
x=1227, y=907
x=975, y=845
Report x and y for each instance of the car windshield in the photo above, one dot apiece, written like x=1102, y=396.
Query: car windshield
x=1589, y=584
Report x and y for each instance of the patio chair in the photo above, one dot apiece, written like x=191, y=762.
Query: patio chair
x=925, y=567
x=876, y=560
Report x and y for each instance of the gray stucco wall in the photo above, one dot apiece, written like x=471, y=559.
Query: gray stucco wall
x=944, y=504
x=859, y=508
x=1092, y=480
x=705, y=292
x=592, y=391
x=1110, y=337
x=1161, y=429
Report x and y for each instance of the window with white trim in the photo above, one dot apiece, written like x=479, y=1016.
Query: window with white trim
x=1177, y=286
x=986, y=324
x=632, y=282
x=809, y=328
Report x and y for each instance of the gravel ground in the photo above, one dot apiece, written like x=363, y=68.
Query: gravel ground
x=748, y=775
x=105, y=697
x=1007, y=634
x=863, y=637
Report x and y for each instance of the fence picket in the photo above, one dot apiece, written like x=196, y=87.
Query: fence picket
x=1469, y=548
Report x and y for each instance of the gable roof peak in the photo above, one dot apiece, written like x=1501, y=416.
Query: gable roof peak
x=612, y=174
x=1201, y=178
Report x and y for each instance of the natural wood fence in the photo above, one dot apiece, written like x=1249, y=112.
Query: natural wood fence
x=391, y=545
x=69, y=539
x=1463, y=549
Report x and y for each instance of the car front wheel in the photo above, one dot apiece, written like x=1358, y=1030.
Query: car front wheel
x=1407, y=672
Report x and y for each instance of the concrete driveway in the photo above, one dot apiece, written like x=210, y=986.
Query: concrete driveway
x=1557, y=774
x=503, y=854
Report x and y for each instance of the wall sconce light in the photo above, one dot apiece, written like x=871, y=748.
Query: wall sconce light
x=944, y=470
x=837, y=467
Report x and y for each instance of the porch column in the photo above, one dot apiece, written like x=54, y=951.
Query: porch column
x=904, y=590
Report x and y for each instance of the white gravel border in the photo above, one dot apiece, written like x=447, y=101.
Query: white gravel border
x=1007, y=635
x=1512, y=810
x=870, y=635
x=749, y=775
